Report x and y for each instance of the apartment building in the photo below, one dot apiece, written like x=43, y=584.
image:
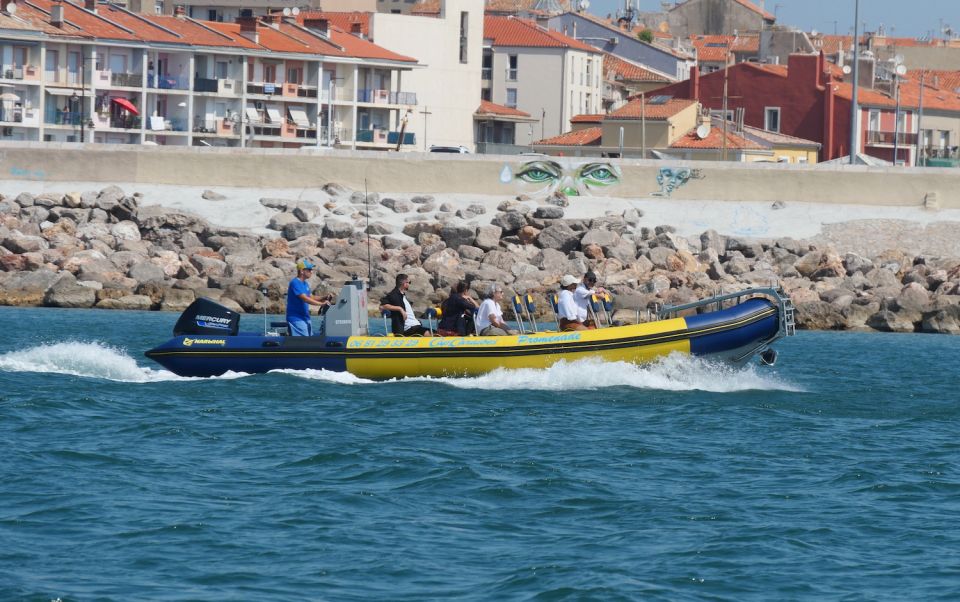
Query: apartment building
x=544, y=73
x=97, y=72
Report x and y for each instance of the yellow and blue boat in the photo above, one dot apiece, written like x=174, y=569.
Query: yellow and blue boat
x=731, y=328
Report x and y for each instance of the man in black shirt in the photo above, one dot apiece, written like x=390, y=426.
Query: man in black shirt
x=403, y=322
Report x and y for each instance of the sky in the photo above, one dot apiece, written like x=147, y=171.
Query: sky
x=908, y=18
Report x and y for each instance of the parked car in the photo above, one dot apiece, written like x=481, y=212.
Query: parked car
x=449, y=149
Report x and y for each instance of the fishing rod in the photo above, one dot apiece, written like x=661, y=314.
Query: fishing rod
x=366, y=210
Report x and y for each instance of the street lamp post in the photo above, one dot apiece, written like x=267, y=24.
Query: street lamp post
x=854, y=111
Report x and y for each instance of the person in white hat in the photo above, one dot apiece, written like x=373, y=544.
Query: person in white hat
x=299, y=301
x=567, y=306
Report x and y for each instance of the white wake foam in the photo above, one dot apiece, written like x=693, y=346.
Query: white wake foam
x=676, y=372
x=339, y=378
x=91, y=360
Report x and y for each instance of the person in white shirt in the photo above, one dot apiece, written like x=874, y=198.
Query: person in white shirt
x=581, y=296
x=490, y=316
x=403, y=321
x=567, y=309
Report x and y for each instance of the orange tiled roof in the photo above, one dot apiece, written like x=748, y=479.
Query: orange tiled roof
x=937, y=78
x=511, y=31
x=933, y=98
x=626, y=70
x=663, y=111
x=714, y=140
x=587, y=118
x=491, y=108
x=584, y=137
x=90, y=24
x=713, y=48
x=344, y=20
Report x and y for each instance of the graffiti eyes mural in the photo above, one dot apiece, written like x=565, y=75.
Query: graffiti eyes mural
x=545, y=177
x=671, y=178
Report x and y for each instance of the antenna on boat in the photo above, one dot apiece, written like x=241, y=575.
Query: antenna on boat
x=366, y=210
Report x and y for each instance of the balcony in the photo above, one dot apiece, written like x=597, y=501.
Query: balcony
x=378, y=136
x=878, y=138
x=386, y=97
x=14, y=115
x=126, y=80
x=202, y=84
x=168, y=82
x=307, y=92
x=125, y=122
x=486, y=74
x=22, y=73
x=55, y=116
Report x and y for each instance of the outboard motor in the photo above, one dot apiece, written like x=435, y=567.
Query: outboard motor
x=204, y=316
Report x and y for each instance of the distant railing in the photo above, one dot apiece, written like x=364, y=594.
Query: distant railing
x=380, y=96
x=496, y=148
x=168, y=82
x=55, y=116
x=203, y=84
x=127, y=80
x=126, y=122
x=14, y=115
x=878, y=137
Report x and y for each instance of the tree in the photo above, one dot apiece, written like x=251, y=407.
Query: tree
x=646, y=35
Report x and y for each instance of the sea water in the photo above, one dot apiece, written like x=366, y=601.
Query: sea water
x=833, y=475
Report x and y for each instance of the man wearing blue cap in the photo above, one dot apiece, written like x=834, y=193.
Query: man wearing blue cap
x=299, y=301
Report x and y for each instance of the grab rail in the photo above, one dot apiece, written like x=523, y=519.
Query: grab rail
x=785, y=307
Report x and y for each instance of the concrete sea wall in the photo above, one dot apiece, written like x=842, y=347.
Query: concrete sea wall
x=476, y=174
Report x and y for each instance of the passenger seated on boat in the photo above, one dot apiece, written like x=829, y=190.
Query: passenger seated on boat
x=403, y=322
x=457, y=312
x=585, y=290
x=567, y=308
x=299, y=301
x=490, y=316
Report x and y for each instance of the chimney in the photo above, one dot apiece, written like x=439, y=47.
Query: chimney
x=273, y=20
x=694, y=84
x=248, y=25
x=180, y=12
x=56, y=13
x=90, y=5
x=321, y=25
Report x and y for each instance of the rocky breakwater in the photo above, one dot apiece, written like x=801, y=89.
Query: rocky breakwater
x=106, y=250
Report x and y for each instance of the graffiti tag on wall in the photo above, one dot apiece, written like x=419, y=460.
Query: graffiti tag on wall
x=671, y=178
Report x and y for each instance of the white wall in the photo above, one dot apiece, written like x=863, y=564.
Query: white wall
x=447, y=88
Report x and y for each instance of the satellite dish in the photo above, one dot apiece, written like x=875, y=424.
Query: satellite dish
x=846, y=69
x=12, y=8
x=584, y=5
x=703, y=130
x=286, y=11
x=898, y=59
x=901, y=69
x=295, y=11
x=814, y=33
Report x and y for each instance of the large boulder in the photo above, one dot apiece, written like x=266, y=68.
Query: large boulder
x=66, y=292
x=22, y=243
x=295, y=230
x=146, y=271
x=131, y=302
x=456, y=233
x=942, y=321
x=559, y=236
x=888, y=321
x=27, y=288
x=819, y=315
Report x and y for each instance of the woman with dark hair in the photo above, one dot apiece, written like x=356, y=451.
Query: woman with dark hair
x=457, y=312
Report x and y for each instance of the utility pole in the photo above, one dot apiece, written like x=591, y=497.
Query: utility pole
x=425, y=112
x=643, y=126
x=726, y=71
x=921, y=151
x=896, y=123
x=854, y=109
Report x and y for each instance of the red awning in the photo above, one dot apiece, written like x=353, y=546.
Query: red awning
x=126, y=105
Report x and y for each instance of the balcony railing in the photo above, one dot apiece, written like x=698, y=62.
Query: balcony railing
x=486, y=73
x=307, y=92
x=385, y=137
x=58, y=117
x=126, y=80
x=878, y=137
x=375, y=96
x=202, y=84
x=125, y=122
x=168, y=82
x=14, y=115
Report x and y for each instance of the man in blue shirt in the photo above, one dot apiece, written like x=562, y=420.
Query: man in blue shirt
x=299, y=301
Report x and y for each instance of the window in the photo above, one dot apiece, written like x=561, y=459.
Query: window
x=269, y=73
x=294, y=75
x=464, y=34
x=512, y=98
x=589, y=72
x=19, y=56
x=487, y=68
x=221, y=70
x=215, y=15
x=485, y=94
x=771, y=119
x=118, y=63
x=53, y=66
x=874, y=123
x=512, y=69
x=73, y=68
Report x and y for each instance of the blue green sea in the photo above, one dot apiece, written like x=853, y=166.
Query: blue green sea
x=834, y=475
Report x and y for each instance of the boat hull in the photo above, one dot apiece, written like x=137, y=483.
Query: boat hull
x=733, y=335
